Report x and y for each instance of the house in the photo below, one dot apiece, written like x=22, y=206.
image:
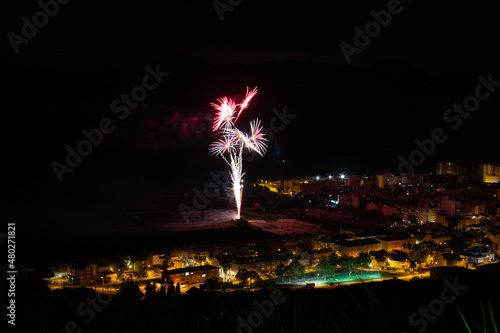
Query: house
x=156, y=260
x=262, y=265
x=140, y=265
x=129, y=274
x=398, y=260
x=311, y=189
x=359, y=201
x=190, y=275
x=314, y=257
x=479, y=255
x=103, y=271
x=390, y=210
x=438, y=237
x=462, y=223
x=323, y=242
x=119, y=269
x=82, y=274
x=399, y=242
x=355, y=247
x=494, y=235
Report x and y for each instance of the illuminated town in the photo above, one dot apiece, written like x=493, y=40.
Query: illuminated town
x=419, y=222
x=325, y=233
x=251, y=167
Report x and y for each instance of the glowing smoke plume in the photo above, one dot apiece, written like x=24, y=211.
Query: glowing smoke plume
x=231, y=141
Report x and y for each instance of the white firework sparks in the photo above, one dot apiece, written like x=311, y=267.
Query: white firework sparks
x=232, y=141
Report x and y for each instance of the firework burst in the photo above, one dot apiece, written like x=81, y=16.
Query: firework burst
x=248, y=97
x=225, y=115
x=231, y=141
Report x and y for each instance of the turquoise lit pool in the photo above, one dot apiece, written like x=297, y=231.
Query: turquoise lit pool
x=340, y=278
x=346, y=278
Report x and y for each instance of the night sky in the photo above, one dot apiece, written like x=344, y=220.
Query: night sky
x=90, y=35
x=353, y=118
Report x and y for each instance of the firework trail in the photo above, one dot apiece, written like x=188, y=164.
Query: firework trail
x=232, y=142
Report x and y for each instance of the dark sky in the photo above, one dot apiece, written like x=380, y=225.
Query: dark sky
x=52, y=83
x=65, y=78
x=432, y=36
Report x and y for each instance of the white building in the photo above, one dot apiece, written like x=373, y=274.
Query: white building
x=479, y=255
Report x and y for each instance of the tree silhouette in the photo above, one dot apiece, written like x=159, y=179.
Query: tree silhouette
x=163, y=291
x=149, y=289
x=380, y=256
x=246, y=276
x=170, y=289
x=130, y=291
x=349, y=264
x=226, y=267
x=295, y=268
x=280, y=271
x=177, y=290
x=325, y=268
x=364, y=260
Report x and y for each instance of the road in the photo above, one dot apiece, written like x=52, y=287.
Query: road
x=114, y=287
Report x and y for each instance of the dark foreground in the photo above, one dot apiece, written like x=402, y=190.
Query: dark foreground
x=453, y=301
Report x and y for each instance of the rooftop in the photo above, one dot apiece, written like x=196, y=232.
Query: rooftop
x=190, y=269
x=359, y=242
x=396, y=237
